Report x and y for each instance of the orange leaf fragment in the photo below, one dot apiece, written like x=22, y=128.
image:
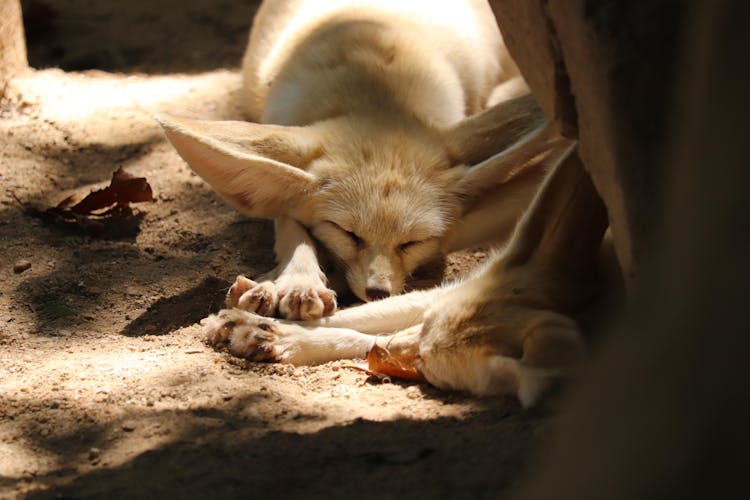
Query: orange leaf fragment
x=381, y=361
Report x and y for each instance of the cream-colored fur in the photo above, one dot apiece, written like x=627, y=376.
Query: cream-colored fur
x=386, y=133
x=372, y=144
x=506, y=329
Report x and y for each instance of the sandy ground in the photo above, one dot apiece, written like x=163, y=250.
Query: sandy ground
x=106, y=387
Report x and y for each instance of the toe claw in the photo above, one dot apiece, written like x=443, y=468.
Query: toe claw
x=260, y=299
x=239, y=287
x=289, y=298
x=246, y=334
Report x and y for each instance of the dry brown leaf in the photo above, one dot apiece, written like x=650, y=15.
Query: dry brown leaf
x=123, y=190
x=105, y=212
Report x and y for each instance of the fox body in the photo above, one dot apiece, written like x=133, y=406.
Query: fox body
x=509, y=328
x=386, y=133
x=372, y=142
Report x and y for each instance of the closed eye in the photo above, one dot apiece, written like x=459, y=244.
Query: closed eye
x=356, y=239
x=403, y=247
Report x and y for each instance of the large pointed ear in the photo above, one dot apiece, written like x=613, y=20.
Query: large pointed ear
x=502, y=144
x=538, y=149
x=485, y=134
x=258, y=169
x=498, y=191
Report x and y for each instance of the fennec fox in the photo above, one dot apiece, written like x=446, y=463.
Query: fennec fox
x=510, y=329
x=371, y=144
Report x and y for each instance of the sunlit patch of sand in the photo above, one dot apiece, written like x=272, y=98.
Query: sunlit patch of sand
x=72, y=97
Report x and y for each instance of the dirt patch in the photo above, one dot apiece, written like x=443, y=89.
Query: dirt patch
x=106, y=387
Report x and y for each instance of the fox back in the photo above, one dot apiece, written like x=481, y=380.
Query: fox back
x=309, y=61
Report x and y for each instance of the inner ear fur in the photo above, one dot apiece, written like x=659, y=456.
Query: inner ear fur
x=480, y=136
x=503, y=143
x=258, y=169
x=538, y=149
x=498, y=190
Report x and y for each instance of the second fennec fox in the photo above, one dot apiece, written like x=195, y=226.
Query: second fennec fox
x=372, y=143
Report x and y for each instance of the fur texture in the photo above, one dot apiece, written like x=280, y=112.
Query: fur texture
x=375, y=145
x=372, y=144
x=508, y=329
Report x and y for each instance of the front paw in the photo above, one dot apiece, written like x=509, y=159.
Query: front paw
x=304, y=298
x=246, y=294
x=296, y=297
x=247, y=335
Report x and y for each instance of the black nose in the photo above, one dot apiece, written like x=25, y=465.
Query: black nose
x=376, y=293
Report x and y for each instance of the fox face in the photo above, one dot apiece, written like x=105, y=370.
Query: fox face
x=383, y=206
x=382, y=197
x=378, y=243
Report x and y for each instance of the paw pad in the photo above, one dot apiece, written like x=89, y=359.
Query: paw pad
x=246, y=334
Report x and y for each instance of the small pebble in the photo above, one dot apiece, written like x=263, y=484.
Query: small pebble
x=21, y=266
x=128, y=427
x=94, y=453
x=413, y=392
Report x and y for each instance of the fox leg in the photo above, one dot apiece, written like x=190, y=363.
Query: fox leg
x=345, y=334
x=384, y=316
x=296, y=287
x=260, y=338
x=349, y=333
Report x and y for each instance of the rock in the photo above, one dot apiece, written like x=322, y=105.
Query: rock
x=398, y=454
x=413, y=392
x=21, y=266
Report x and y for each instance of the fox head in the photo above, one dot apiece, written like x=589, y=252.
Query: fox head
x=382, y=196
